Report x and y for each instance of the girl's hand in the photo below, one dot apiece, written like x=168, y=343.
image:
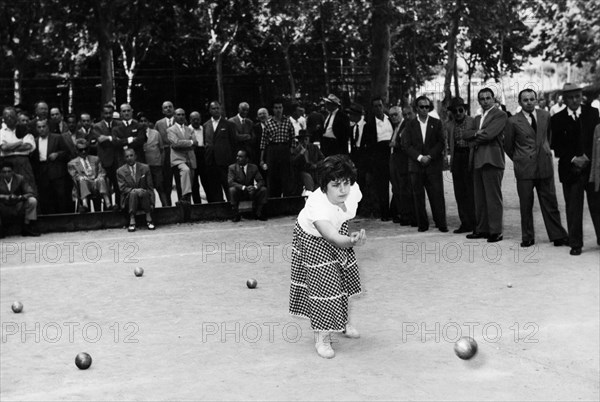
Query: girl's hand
x=358, y=238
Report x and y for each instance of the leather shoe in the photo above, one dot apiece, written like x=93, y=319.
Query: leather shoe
x=575, y=251
x=131, y=228
x=478, y=235
x=150, y=225
x=385, y=219
x=28, y=231
x=461, y=229
x=494, y=237
x=396, y=219
x=424, y=229
x=444, y=229
x=236, y=218
x=527, y=243
x=561, y=242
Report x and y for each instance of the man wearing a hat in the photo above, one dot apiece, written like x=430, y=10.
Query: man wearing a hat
x=462, y=176
x=336, y=128
x=572, y=142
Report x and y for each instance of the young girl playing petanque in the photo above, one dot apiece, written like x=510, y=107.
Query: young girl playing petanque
x=324, y=268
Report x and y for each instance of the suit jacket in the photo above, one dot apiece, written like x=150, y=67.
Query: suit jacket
x=451, y=134
x=529, y=149
x=488, y=149
x=127, y=183
x=57, y=168
x=236, y=178
x=341, y=130
x=182, y=148
x=70, y=144
x=571, y=139
x=244, y=130
x=399, y=155
x=122, y=135
x=220, y=144
x=412, y=142
x=161, y=126
x=106, y=150
x=314, y=155
x=76, y=169
x=19, y=186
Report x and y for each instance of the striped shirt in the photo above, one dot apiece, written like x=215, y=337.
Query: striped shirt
x=277, y=132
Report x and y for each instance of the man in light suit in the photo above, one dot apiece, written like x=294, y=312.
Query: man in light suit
x=244, y=129
x=182, y=141
x=89, y=177
x=486, y=158
x=246, y=183
x=402, y=200
x=336, y=128
x=424, y=143
x=219, y=140
x=49, y=161
x=137, y=189
x=102, y=139
x=161, y=126
x=526, y=142
x=572, y=142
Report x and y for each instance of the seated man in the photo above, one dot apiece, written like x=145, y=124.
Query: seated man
x=89, y=177
x=16, y=197
x=137, y=190
x=241, y=178
x=304, y=160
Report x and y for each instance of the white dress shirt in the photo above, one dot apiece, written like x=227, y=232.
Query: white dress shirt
x=384, y=129
x=329, y=128
x=43, y=148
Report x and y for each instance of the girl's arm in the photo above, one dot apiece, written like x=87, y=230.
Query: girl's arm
x=326, y=229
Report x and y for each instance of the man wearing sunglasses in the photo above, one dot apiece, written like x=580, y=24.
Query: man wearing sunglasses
x=462, y=176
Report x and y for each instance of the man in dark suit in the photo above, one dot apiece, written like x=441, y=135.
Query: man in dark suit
x=526, y=142
x=128, y=135
x=359, y=154
x=377, y=134
x=462, y=174
x=49, y=162
x=16, y=197
x=244, y=129
x=137, y=190
x=336, y=128
x=219, y=139
x=424, y=144
x=572, y=142
x=57, y=124
x=103, y=140
x=403, y=204
x=305, y=158
x=486, y=158
x=246, y=183
x=70, y=136
x=161, y=126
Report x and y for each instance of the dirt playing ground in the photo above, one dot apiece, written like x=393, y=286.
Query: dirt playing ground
x=190, y=329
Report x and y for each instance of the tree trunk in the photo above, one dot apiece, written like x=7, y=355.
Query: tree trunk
x=456, y=87
x=469, y=93
x=104, y=14
x=219, y=68
x=17, y=86
x=325, y=53
x=380, y=49
x=288, y=69
x=130, y=75
x=451, y=49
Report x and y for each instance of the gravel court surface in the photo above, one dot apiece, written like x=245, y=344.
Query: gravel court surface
x=190, y=329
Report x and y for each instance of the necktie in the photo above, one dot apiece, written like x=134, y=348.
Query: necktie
x=126, y=124
x=133, y=171
x=88, y=168
x=533, y=123
x=244, y=174
x=327, y=121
